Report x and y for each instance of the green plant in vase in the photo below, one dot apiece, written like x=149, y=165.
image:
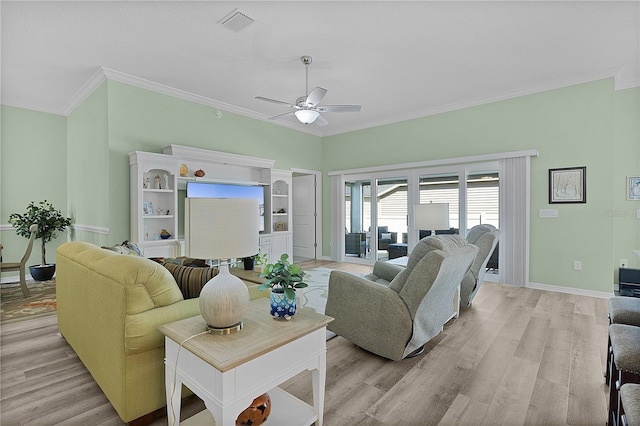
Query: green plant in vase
x=283, y=278
x=50, y=221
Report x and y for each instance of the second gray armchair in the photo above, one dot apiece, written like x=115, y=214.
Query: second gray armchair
x=395, y=311
x=485, y=237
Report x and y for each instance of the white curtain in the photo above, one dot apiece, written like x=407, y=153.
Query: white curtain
x=337, y=218
x=514, y=220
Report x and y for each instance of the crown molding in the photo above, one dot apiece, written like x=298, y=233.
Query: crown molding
x=103, y=74
x=192, y=97
x=85, y=91
x=616, y=73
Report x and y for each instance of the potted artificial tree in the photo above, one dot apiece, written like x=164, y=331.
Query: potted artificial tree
x=283, y=278
x=49, y=221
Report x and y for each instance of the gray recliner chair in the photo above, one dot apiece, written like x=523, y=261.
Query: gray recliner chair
x=485, y=237
x=394, y=311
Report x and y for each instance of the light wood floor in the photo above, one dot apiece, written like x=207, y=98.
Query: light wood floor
x=518, y=356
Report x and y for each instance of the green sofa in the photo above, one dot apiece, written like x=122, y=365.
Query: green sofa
x=109, y=308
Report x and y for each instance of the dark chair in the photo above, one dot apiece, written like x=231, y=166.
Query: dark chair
x=451, y=231
x=492, y=264
x=385, y=237
x=355, y=243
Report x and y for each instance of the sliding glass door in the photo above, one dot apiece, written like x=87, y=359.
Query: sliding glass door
x=441, y=188
x=378, y=209
x=357, y=219
x=392, y=217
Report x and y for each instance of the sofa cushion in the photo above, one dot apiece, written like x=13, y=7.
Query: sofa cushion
x=190, y=279
x=126, y=247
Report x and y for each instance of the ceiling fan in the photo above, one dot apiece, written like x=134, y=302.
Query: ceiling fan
x=306, y=108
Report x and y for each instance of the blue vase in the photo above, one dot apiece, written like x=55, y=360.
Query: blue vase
x=281, y=306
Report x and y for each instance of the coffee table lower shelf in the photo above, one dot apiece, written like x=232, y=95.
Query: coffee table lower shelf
x=286, y=410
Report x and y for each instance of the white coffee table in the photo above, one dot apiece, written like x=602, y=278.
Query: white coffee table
x=228, y=372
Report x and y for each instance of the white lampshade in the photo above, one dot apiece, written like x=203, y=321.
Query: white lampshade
x=306, y=116
x=222, y=228
x=431, y=216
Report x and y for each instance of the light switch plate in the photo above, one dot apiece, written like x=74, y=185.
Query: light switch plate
x=548, y=212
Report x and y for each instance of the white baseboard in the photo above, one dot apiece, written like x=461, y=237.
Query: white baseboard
x=572, y=290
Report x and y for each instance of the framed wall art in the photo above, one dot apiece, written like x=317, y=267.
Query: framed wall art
x=568, y=185
x=633, y=188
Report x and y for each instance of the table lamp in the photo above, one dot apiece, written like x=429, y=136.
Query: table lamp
x=222, y=228
x=431, y=216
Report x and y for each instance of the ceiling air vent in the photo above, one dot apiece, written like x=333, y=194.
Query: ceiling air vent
x=236, y=21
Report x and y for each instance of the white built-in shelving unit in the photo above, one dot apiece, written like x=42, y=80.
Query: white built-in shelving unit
x=219, y=167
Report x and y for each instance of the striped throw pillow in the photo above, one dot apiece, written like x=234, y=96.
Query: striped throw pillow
x=190, y=279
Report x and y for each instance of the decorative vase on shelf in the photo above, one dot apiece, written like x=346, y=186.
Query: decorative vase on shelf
x=282, y=306
x=164, y=234
x=184, y=170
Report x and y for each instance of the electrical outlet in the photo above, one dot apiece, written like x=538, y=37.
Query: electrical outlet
x=577, y=265
x=624, y=263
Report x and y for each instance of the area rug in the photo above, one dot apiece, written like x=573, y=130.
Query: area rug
x=315, y=296
x=14, y=306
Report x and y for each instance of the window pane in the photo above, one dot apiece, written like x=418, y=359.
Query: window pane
x=357, y=218
x=483, y=199
x=392, y=217
x=442, y=189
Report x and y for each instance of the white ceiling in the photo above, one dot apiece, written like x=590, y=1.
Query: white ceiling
x=399, y=60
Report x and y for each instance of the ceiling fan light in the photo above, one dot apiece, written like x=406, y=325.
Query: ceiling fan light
x=306, y=116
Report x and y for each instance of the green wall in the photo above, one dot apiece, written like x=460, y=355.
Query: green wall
x=81, y=161
x=585, y=125
x=141, y=120
x=33, y=167
x=88, y=157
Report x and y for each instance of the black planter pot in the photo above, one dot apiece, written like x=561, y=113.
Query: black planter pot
x=42, y=272
x=248, y=263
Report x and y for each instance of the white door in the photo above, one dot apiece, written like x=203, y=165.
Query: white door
x=304, y=217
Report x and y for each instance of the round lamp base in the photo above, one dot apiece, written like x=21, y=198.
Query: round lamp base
x=222, y=331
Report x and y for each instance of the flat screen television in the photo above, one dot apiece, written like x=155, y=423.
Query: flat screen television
x=226, y=190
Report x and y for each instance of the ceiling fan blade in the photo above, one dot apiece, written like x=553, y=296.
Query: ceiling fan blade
x=321, y=121
x=316, y=95
x=280, y=115
x=274, y=101
x=339, y=108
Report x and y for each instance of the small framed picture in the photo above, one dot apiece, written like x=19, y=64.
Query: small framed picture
x=279, y=226
x=147, y=208
x=633, y=188
x=568, y=185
